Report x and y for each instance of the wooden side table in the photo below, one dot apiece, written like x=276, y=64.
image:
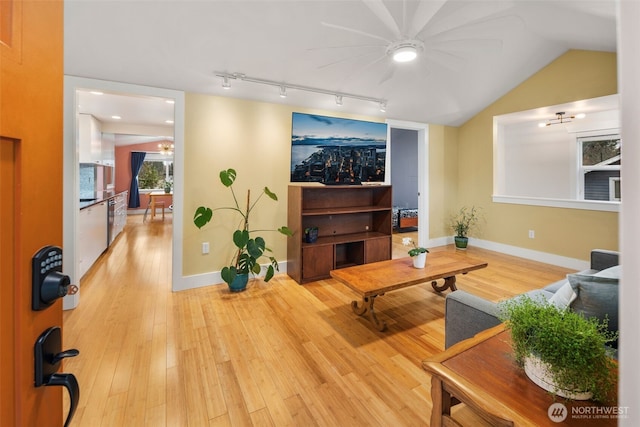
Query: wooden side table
x=482, y=373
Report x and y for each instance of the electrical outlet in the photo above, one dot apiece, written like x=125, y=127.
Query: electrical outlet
x=532, y=234
x=205, y=247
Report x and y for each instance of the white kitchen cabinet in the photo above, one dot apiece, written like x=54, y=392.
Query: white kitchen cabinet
x=92, y=235
x=89, y=139
x=108, y=149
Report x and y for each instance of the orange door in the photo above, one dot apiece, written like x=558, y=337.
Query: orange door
x=31, y=85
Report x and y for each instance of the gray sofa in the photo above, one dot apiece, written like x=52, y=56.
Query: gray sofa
x=596, y=295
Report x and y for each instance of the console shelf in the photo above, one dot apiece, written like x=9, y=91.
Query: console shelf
x=354, y=227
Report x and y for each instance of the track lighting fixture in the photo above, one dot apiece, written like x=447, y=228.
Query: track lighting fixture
x=226, y=77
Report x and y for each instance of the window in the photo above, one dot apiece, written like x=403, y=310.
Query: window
x=600, y=167
x=571, y=164
x=156, y=171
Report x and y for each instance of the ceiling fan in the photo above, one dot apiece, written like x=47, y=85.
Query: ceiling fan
x=437, y=32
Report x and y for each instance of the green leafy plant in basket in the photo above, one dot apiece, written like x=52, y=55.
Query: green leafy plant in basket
x=572, y=347
x=249, y=247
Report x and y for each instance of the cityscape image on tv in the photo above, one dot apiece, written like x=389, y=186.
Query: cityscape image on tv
x=333, y=150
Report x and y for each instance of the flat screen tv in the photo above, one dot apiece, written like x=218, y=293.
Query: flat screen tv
x=333, y=150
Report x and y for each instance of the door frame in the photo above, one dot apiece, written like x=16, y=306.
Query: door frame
x=71, y=184
x=423, y=172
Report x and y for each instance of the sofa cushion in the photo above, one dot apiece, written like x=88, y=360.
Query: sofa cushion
x=555, y=286
x=564, y=296
x=612, y=272
x=597, y=297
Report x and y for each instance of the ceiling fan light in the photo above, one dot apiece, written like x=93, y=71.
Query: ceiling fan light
x=405, y=54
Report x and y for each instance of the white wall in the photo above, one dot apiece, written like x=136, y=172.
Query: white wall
x=629, y=84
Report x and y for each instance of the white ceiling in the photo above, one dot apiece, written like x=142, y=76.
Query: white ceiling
x=475, y=51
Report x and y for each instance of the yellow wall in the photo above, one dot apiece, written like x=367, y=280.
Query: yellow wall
x=254, y=138
x=573, y=233
x=443, y=178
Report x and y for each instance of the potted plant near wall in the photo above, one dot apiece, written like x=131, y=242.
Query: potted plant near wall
x=462, y=223
x=249, y=248
x=561, y=350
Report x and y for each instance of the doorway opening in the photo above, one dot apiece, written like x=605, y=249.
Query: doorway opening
x=409, y=174
x=133, y=128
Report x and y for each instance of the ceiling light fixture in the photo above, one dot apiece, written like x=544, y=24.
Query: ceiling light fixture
x=383, y=107
x=284, y=86
x=561, y=117
x=283, y=92
x=166, y=149
x=405, y=50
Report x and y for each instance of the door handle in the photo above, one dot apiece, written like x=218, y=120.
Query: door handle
x=48, y=354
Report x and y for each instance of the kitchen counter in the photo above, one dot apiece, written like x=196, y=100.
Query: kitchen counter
x=100, y=197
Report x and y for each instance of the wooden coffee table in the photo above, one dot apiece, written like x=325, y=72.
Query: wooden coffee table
x=377, y=278
x=481, y=372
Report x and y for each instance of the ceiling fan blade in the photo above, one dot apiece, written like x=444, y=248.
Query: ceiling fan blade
x=388, y=74
x=482, y=46
x=422, y=16
x=357, y=46
x=467, y=15
x=360, y=70
x=349, y=58
x=382, y=13
x=445, y=59
x=355, y=31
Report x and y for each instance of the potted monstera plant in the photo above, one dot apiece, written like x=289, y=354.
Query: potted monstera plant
x=249, y=247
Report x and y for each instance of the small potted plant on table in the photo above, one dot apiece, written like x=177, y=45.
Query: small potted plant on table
x=417, y=253
x=248, y=248
x=560, y=350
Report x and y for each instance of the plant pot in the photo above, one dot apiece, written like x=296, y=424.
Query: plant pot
x=538, y=372
x=461, y=242
x=239, y=284
x=311, y=235
x=420, y=260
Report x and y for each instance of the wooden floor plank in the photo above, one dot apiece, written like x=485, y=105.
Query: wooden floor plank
x=277, y=354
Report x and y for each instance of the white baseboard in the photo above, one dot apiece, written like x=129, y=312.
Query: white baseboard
x=207, y=279
x=213, y=278
x=561, y=261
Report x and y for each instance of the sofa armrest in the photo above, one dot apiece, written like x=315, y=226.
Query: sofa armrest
x=465, y=315
x=602, y=259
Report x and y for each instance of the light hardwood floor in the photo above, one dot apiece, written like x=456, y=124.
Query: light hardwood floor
x=278, y=354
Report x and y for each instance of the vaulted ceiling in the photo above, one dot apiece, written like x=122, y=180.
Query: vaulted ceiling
x=473, y=51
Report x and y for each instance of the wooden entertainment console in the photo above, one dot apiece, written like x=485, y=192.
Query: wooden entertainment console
x=354, y=227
